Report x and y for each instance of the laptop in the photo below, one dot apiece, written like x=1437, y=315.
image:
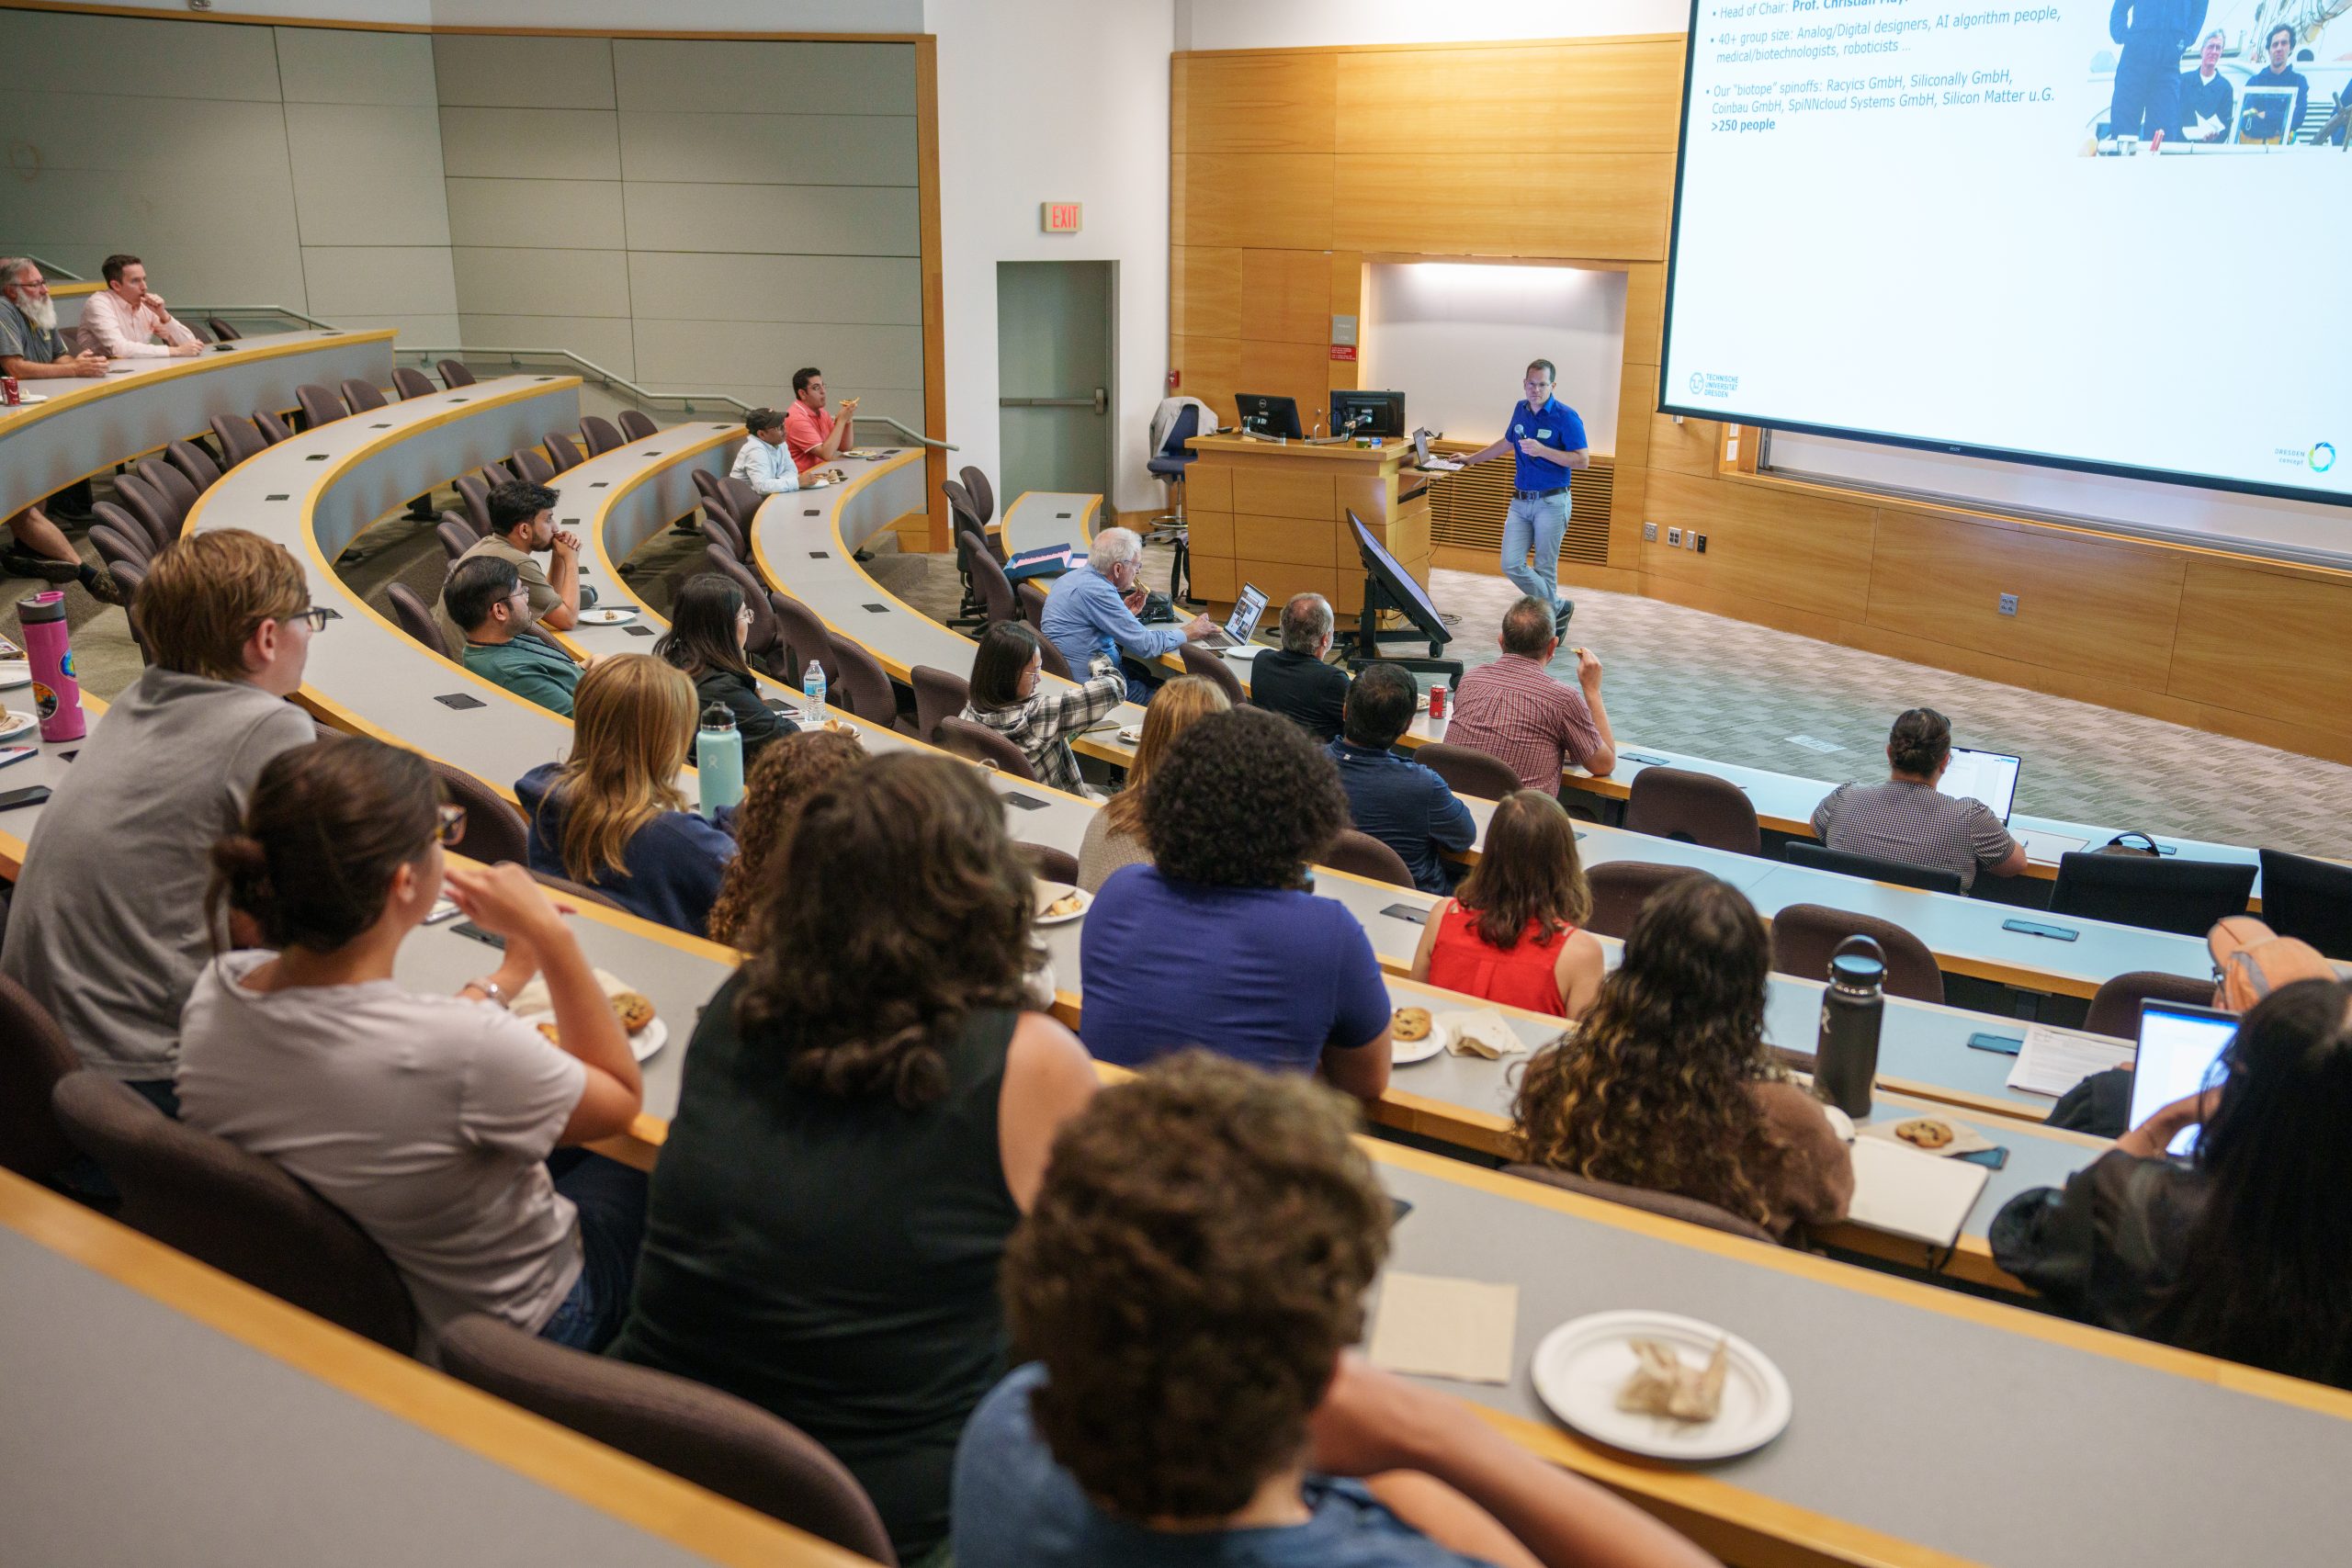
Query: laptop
x=1421, y=458
x=1249, y=609
x=1988, y=776
x=2180, y=1053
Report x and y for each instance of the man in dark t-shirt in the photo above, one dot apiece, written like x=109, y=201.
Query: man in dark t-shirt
x=2206, y=95
x=2268, y=121
x=1292, y=680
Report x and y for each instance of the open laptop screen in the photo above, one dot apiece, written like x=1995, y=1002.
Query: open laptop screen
x=2180, y=1046
x=1242, y=625
x=1988, y=776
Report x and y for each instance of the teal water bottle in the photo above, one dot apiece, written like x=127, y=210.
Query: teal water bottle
x=719, y=758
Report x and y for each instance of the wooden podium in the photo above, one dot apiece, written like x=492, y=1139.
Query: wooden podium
x=1276, y=513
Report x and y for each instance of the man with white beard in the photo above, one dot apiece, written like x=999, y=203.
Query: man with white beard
x=32, y=350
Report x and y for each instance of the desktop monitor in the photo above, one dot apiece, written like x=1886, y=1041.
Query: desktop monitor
x=2180, y=1051
x=1988, y=776
x=1370, y=413
x=1262, y=414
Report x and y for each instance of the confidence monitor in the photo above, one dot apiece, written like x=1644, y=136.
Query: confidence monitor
x=1368, y=413
x=1388, y=586
x=1264, y=415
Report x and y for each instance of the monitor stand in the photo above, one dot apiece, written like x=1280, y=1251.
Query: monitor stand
x=1368, y=638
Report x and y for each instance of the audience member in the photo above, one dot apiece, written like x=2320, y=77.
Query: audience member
x=1220, y=941
x=106, y=929
x=1907, y=818
x=522, y=526
x=1512, y=932
x=765, y=463
x=1188, y=1286
x=2240, y=1249
x=709, y=626
x=1292, y=680
x=1402, y=804
x=1007, y=673
x=124, y=319
x=1114, y=834
x=612, y=817
x=776, y=787
x=1669, y=1086
x=32, y=349
x=427, y=1119
x=809, y=430
x=1090, y=612
x=871, y=1067
x=485, y=594
x=1513, y=709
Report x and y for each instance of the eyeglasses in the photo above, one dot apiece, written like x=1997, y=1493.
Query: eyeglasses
x=318, y=616
x=451, y=826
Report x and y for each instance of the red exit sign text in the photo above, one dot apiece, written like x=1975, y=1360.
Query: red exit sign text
x=1063, y=217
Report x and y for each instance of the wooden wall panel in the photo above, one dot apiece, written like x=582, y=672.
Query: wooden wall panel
x=1646, y=314
x=1600, y=206
x=1463, y=103
x=1796, y=550
x=1291, y=370
x=1211, y=367
x=1279, y=200
x=1636, y=412
x=1205, y=298
x=1264, y=103
x=1694, y=447
x=1285, y=297
x=2264, y=642
x=2101, y=609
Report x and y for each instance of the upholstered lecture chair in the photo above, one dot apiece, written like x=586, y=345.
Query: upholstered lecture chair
x=982, y=744
x=1620, y=889
x=2167, y=894
x=2115, y=1008
x=1671, y=1205
x=34, y=1056
x=1211, y=666
x=2311, y=899
x=1699, y=808
x=1804, y=935
x=939, y=693
x=1468, y=770
x=1902, y=873
x=1360, y=855
x=416, y=618
x=410, y=382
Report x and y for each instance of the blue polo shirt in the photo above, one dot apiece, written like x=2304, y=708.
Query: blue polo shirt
x=1553, y=424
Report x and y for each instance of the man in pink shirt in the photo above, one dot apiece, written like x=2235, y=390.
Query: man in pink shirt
x=1515, y=709
x=809, y=433
x=125, y=320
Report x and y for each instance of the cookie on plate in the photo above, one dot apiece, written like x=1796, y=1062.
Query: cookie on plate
x=633, y=1009
x=1924, y=1131
x=1410, y=1024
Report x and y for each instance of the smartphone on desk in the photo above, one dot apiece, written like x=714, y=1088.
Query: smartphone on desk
x=32, y=795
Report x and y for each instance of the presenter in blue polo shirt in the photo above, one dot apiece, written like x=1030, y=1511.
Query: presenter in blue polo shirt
x=1545, y=439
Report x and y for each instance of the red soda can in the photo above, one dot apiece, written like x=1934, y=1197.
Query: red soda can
x=10, y=393
x=1437, y=700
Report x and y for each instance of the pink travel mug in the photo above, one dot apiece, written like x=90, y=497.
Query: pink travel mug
x=57, y=696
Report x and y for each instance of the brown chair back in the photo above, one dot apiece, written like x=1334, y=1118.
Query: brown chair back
x=1050, y=865
x=636, y=425
x=195, y=462
x=959, y=500
x=598, y=432
x=128, y=576
x=318, y=405
x=239, y=438
x=1672, y=1205
x=410, y=382
x=719, y=1442
x=855, y=679
x=454, y=374
x=1360, y=855
x=457, y=536
x=177, y=490
x=804, y=633
x=938, y=695
x=721, y=529
x=996, y=589
x=221, y=331
x=1620, y=889
x=983, y=494
x=743, y=501
x=714, y=494
x=235, y=1211
x=766, y=634
x=1698, y=808
x=495, y=830
x=1033, y=604
x=273, y=428
x=1211, y=667
x=473, y=493
x=1804, y=935
x=528, y=465
x=416, y=618
x=152, y=511
x=577, y=891
x=118, y=539
x=2115, y=1008
x=982, y=744
x=361, y=396
x=1468, y=770
x=33, y=1057
x=563, y=453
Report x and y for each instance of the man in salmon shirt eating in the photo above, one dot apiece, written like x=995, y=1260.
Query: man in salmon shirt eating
x=812, y=434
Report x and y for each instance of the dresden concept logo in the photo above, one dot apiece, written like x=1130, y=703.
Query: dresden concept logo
x=1698, y=383
x=2323, y=457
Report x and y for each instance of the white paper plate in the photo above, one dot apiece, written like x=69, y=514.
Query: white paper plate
x=14, y=672
x=613, y=617
x=1839, y=1123
x=1051, y=893
x=14, y=722
x=1132, y=735
x=1580, y=1366
x=1405, y=1052
x=642, y=1045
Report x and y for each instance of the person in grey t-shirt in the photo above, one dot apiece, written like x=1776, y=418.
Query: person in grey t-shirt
x=1907, y=818
x=106, y=929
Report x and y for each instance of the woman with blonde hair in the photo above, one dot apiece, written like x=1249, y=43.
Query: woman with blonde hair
x=1116, y=836
x=611, y=817
x=787, y=774
x=1670, y=1085
x=1510, y=933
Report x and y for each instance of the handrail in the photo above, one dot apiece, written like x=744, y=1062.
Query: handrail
x=50, y=269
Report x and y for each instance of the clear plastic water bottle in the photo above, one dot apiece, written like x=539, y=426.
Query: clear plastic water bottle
x=812, y=695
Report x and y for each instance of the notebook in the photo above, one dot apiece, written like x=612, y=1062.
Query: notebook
x=1988, y=776
x=1904, y=1192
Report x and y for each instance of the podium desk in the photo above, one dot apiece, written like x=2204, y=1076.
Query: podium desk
x=1276, y=513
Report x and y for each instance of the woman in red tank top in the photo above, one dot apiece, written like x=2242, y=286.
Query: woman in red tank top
x=1510, y=932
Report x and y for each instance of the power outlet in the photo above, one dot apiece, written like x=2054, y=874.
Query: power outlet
x=2008, y=604
x=1674, y=538
x=1649, y=532
x=1699, y=543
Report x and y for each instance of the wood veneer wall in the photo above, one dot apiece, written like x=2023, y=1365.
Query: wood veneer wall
x=1290, y=169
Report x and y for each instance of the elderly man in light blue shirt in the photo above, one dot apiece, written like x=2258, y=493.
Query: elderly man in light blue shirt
x=1092, y=610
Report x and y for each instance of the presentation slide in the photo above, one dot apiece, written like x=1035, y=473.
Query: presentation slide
x=2107, y=234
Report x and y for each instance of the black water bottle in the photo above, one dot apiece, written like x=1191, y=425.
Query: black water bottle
x=1845, y=1062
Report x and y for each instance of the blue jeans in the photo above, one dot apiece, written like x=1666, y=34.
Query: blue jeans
x=1539, y=526
x=610, y=1197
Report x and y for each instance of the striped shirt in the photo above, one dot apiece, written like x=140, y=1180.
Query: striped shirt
x=1038, y=723
x=1915, y=823
x=1515, y=709
x=124, y=332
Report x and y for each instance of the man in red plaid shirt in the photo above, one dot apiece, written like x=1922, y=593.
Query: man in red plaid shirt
x=1515, y=710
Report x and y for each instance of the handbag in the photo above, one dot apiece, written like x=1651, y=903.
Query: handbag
x=2122, y=845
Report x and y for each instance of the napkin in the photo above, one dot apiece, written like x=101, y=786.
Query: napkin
x=1480, y=1031
x=534, y=998
x=1445, y=1328
x=1965, y=1140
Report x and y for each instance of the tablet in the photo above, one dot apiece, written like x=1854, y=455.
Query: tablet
x=2180, y=1054
x=1988, y=776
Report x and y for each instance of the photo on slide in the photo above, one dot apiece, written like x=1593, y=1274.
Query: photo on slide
x=2218, y=76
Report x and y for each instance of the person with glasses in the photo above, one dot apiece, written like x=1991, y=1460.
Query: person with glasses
x=448, y=1129
x=486, y=596
x=107, y=929
x=709, y=623
x=1546, y=441
x=31, y=348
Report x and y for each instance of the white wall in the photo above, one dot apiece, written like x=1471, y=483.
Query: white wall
x=1308, y=24
x=1456, y=337
x=1054, y=100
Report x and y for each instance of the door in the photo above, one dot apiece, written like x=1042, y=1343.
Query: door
x=1054, y=350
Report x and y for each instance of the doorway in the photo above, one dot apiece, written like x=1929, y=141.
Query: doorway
x=1055, y=351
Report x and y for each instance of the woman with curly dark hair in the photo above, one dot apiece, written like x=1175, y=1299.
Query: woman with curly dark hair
x=1221, y=943
x=866, y=1113
x=1670, y=1085
x=777, y=787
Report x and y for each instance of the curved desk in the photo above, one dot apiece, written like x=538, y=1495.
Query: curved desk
x=86, y=427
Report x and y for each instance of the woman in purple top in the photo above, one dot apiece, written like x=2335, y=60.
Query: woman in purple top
x=1220, y=942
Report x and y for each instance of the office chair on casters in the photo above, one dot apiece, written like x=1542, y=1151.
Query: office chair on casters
x=983, y=494
x=1169, y=463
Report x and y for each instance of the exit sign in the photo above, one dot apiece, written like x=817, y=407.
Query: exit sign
x=1063, y=217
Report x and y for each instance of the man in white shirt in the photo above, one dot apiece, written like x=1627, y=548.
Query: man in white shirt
x=765, y=462
x=124, y=321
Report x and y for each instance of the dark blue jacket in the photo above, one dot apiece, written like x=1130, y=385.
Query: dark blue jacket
x=675, y=864
x=2170, y=24
x=1405, y=807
